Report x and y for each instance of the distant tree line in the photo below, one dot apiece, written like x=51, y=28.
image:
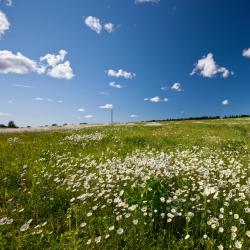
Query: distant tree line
x=11, y=124
x=200, y=118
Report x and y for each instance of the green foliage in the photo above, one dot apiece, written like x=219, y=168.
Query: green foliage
x=35, y=184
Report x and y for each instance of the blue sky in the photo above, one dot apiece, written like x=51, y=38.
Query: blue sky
x=68, y=61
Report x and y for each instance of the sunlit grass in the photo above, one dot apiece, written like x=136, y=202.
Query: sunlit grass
x=177, y=185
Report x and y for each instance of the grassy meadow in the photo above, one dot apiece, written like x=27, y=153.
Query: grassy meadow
x=167, y=185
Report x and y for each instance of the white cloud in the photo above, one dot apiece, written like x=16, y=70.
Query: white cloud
x=156, y=99
x=81, y=110
x=58, y=68
x=4, y=23
x=133, y=116
x=225, y=102
x=38, y=99
x=52, y=59
x=109, y=27
x=88, y=116
x=106, y=106
x=5, y=114
x=62, y=71
x=207, y=67
x=18, y=63
x=177, y=87
x=246, y=53
x=147, y=1
x=60, y=101
x=120, y=74
x=115, y=85
x=94, y=24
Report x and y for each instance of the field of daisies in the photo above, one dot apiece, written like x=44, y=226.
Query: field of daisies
x=167, y=185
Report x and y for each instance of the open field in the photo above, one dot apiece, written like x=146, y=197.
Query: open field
x=164, y=185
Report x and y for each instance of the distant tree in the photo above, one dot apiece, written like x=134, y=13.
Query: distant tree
x=12, y=124
x=54, y=125
x=2, y=126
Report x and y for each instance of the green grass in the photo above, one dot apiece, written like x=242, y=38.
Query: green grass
x=149, y=182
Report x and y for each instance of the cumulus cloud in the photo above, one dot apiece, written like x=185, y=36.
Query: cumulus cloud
x=225, y=102
x=18, y=63
x=4, y=23
x=120, y=74
x=207, y=67
x=60, y=101
x=156, y=99
x=88, y=116
x=53, y=60
x=61, y=71
x=147, y=1
x=56, y=67
x=246, y=53
x=106, y=106
x=109, y=27
x=94, y=24
x=81, y=110
x=133, y=116
x=115, y=85
x=176, y=87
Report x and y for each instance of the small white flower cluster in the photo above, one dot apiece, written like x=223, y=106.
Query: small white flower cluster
x=13, y=140
x=84, y=138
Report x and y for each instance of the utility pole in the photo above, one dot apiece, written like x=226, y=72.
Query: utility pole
x=112, y=116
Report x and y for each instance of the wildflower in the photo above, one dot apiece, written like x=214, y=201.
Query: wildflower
x=238, y=244
x=187, y=236
x=111, y=228
x=220, y=247
x=98, y=239
x=221, y=229
x=135, y=222
x=89, y=241
x=242, y=222
x=107, y=236
x=120, y=231
x=162, y=199
x=236, y=216
x=205, y=236
x=248, y=233
x=25, y=226
x=89, y=214
x=234, y=229
x=83, y=224
x=6, y=221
